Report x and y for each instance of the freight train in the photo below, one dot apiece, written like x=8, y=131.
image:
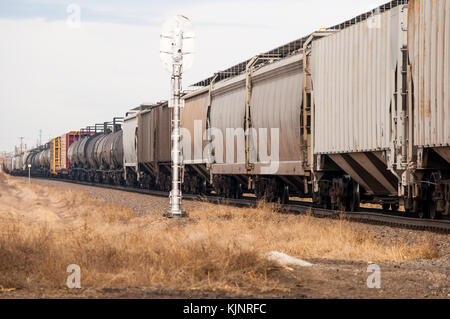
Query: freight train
x=359, y=112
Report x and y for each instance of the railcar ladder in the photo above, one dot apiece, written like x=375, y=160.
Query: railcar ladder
x=307, y=118
x=55, y=154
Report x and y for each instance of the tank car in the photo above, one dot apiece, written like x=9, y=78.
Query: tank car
x=86, y=155
x=93, y=156
x=112, y=158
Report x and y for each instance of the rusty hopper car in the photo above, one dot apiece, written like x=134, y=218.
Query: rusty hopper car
x=154, y=146
x=385, y=119
x=194, y=141
x=250, y=102
x=357, y=96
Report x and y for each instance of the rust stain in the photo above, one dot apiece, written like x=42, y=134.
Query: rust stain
x=427, y=110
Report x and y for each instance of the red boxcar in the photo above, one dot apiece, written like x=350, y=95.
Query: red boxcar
x=62, y=165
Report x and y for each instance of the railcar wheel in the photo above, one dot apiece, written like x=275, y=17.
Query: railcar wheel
x=284, y=199
x=385, y=207
x=238, y=191
x=394, y=207
x=355, y=200
x=434, y=214
x=260, y=191
x=423, y=211
x=340, y=206
x=422, y=214
x=354, y=205
x=447, y=209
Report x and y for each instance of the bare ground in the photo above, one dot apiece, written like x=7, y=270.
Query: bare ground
x=414, y=264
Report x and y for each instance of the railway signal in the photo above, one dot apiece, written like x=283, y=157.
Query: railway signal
x=177, y=43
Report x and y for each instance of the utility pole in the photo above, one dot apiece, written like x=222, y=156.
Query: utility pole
x=21, y=144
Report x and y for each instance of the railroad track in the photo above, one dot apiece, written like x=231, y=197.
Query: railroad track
x=370, y=216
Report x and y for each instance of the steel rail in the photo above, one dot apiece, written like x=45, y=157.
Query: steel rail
x=370, y=216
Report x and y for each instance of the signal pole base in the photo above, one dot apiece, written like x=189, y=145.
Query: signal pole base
x=170, y=214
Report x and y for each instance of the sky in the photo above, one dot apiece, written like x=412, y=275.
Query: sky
x=59, y=73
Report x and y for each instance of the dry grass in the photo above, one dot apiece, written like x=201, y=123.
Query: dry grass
x=43, y=230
